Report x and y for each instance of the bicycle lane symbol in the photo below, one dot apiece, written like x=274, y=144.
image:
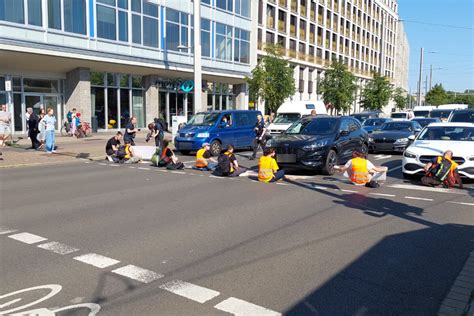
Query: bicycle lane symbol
x=13, y=298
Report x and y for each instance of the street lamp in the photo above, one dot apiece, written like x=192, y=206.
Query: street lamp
x=420, y=79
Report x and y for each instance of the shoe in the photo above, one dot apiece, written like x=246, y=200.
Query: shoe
x=110, y=159
x=54, y=151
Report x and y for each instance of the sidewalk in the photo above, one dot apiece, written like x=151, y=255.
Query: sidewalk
x=69, y=149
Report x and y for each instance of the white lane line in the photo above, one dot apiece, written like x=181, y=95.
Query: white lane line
x=178, y=172
x=27, y=238
x=280, y=183
x=132, y=167
x=113, y=165
x=381, y=157
x=242, y=308
x=102, y=164
x=87, y=162
x=161, y=170
x=137, y=273
x=461, y=203
x=141, y=168
x=186, y=162
x=193, y=292
x=417, y=198
x=395, y=168
x=58, y=248
x=423, y=188
x=314, y=186
x=349, y=191
x=5, y=230
x=378, y=156
x=96, y=260
x=211, y=176
x=383, y=194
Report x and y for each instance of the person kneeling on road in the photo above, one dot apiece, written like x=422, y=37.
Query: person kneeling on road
x=362, y=172
x=204, y=160
x=126, y=154
x=227, y=165
x=112, y=147
x=168, y=159
x=442, y=171
x=268, y=167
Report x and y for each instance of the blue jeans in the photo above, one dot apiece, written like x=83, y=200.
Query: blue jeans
x=211, y=165
x=278, y=175
x=50, y=139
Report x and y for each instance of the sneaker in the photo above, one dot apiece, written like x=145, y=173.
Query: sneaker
x=54, y=151
x=110, y=159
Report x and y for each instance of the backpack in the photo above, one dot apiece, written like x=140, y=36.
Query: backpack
x=156, y=158
x=121, y=152
x=159, y=124
x=442, y=170
x=175, y=166
x=223, y=165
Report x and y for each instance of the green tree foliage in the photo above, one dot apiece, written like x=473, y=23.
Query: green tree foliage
x=338, y=87
x=437, y=96
x=461, y=98
x=377, y=93
x=271, y=80
x=400, y=98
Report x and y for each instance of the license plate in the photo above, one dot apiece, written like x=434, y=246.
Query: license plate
x=288, y=158
x=185, y=146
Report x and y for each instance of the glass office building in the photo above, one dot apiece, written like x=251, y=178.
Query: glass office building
x=112, y=59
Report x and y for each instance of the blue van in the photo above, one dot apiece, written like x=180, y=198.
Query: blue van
x=218, y=128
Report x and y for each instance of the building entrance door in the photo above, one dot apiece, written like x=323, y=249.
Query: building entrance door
x=38, y=102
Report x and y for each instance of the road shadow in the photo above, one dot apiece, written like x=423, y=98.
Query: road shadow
x=404, y=274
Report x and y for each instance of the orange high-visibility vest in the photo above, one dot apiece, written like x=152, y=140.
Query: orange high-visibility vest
x=267, y=166
x=201, y=162
x=360, y=173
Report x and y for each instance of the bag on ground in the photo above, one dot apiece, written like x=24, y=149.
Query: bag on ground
x=223, y=165
x=442, y=170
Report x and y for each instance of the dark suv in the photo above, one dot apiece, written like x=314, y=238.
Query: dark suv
x=462, y=116
x=319, y=143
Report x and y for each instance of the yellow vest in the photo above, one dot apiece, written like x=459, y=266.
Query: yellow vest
x=231, y=164
x=128, y=154
x=201, y=162
x=267, y=166
x=360, y=173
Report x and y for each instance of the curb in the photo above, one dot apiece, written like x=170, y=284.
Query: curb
x=460, y=299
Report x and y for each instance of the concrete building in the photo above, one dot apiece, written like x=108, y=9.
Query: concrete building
x=111, y=59
x=402, y=59
x=313, y=33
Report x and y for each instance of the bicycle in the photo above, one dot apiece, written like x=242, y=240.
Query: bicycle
x=84, y=130
x=66, y=128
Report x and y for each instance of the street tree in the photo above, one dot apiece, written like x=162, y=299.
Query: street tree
x=400, y=98
x=437, y=95
x=338, y=87
x=377, y=93
x=271, y=80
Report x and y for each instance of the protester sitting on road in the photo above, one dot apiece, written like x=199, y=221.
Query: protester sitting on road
x=128, y=155
x=168, y=158
x=442, y=171
x=361, y=171
x=204, y=160
x=112, y=147
x=268, y=167
x=227, y=165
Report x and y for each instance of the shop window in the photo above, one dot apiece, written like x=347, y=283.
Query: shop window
x=98, y=105
x=12, y=11
x=54, y=14
x=138, y=108
x=137, y=82
x=111, y=80
x=40, y=85
x=124, y=81
x=16, y=84
x=112, y=108
x=124, y=107
x=97, y=78
x=17, y=112
x=2, y=84
x=35, y=13
x=75, y=16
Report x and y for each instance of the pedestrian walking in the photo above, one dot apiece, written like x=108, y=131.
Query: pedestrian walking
x=131, y=131
x=268, y=170
x=361, y=171
x=5, y=120
x=260, y=138
x=50, y=121
x=33, y=122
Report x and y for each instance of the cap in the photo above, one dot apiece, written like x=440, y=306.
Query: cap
x=206, y=144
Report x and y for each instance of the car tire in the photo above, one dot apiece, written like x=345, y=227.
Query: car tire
x=408, y=176
x=331, y=161
x=364, y=149
x=185, y=152
x=216, y=148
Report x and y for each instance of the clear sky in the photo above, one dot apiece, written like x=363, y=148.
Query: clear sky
x=450, y=50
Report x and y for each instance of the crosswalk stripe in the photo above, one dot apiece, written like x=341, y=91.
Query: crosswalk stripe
x=27, y=238
x=5, y=230
x=191, y=291
x=242, y=308
x=423, y=188
x=461, y=203
x=137, y=273
x=96, y=260
x=58, y=248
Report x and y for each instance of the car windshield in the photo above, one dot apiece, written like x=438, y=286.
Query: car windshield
x=313, y=127
x=286, y=118
x=465, y=117
x=398, y=115
x=457, y=133
x=425, y=122
x=397, y=126
x=373, y=122
x=440, y=113
x=203, y=119
x=421, y=113
x=362, y=117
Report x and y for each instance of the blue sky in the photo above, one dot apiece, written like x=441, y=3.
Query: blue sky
x=453, y=48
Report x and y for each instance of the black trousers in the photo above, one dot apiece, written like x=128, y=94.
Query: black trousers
x=258, y=143
x=159, y=140
x=33, y=134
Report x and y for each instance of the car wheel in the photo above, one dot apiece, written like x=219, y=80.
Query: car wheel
x=185, y=152
x=331, y=161
x=364, y=149
x=216, y=148
x=408, y=176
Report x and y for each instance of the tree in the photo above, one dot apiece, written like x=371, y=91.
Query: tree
x=271, y=80
x=400, y=98
x=437, y=95
x=377, y=93
x=338, y=87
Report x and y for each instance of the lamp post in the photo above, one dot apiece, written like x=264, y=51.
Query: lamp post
x=420, y=77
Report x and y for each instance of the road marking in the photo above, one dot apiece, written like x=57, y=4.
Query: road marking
x=102, y=164
x=242, y=308
x=381, y=157
x=113, y=165
x=349, y=191
x=461, y=203
x=383, y=194
x=178, y=172
x=211, y=176
x=193, y=292
x=314, y=186
x=186, y=162
x=137, y=273
x=27, y=238
x=96, y=260
x=280, y=183
x=395, y=168
x=161, y=170
x=58, y=248
x=417, y=198
x=132, y=167
x=423, y=188
x=87, y=162
x=10, y=303
x=4, y=230
x=141, y=168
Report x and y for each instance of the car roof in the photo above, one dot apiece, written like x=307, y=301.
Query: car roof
x=452, y=124
x=463, y=110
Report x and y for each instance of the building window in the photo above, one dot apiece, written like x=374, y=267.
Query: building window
x=12, y=11
x=108, y=17
x=75, y=16
x=177, y=30
x=106, y=26
x=242, y=7
x=223, y=41
x=206, y=38
x=34, y=12
x=224, y=5
x=123, y=26
x=150, y=24
x=54, y=14
x=136, y=29
x=242, y=46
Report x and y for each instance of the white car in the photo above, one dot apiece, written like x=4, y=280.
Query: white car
x=434, y=140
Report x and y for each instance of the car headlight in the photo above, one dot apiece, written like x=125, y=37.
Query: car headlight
x=316, y=145
x=401, y=140
x=371, y=140
x=409, y=154
x=202, y=135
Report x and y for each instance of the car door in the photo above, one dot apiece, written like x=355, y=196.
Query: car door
x=344, y=140
x=356, y=136
x=226, y=132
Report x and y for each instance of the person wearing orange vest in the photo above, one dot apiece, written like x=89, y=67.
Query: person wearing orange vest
x=204, y=159
x=130, y=156
x=268, y=167
x=431, y=168
x=361, y=171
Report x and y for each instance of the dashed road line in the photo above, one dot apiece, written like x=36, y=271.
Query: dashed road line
x=110, y=165
x=5, y=230
x=102, y=164
x=417, y=198
x=314, y=186
x=349, y=191
x=57, y=247
x=382, y=157
x=215, y=177
x=27, y=238
x=137, y=273
x=191, y=291
x=383, y=194
x=141, y=168
x=96, y=260
x=131, y=167
x=242, y=308
x=178, y=172
x=423, y=188
x=394, y=169
x=461, y=203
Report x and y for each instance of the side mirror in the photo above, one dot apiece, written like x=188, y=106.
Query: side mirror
x=411, y=137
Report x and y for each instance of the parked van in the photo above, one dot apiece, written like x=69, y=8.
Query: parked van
x=218, y=128
x=401, y=116
x=290, y=112
x=423, y=111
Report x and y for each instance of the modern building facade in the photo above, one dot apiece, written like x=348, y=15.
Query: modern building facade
x=112, y=59
x=365, y=34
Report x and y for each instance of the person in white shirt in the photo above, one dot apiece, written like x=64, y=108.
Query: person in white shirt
x=5, y=119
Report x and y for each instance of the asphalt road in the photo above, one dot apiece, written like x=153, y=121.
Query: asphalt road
x=138, y=240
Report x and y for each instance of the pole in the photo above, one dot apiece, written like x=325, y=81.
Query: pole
x=431, y=75
x=420, y=79
x=197, y=58
x=426, y=85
